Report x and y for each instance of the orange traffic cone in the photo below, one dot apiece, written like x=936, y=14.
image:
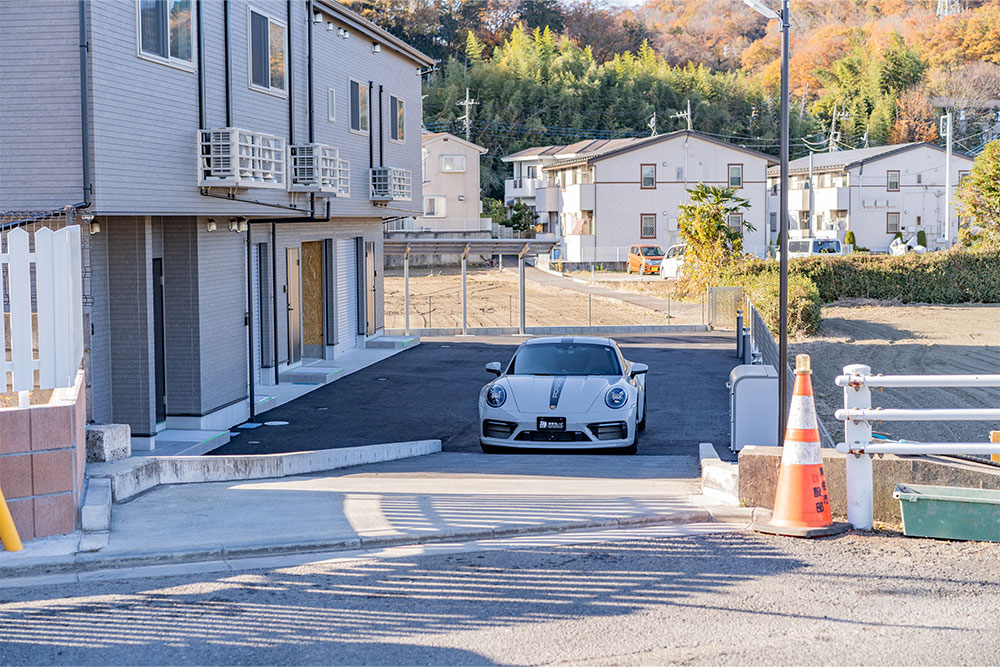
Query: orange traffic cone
x=802, y=502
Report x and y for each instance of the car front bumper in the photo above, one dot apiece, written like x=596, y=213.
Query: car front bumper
x=598, y=429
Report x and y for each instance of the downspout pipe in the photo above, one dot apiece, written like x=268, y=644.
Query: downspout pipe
x=381, y=136
x=371, y=145
x=85, y=107
x=200, y=39
x=290, y=62
x=250, y=316
x=310, y=75
x=228, y=59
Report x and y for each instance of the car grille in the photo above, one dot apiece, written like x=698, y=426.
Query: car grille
x=493, y=428
x=553, y=436
x=609, y=430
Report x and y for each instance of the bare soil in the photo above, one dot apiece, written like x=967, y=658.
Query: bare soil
x=436, y=301
x=908, y=339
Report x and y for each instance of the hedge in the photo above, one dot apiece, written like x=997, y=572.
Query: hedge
x=762, y=289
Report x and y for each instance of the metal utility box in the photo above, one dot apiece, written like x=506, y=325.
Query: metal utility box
x=948, y=512
x=753, y=406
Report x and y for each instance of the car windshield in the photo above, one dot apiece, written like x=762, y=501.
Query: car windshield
x=565, y=359
x=827, y=246
x=651, y=251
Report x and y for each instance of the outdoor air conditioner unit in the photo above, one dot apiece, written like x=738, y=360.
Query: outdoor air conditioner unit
x=381, y=190
x=318, y=168
x=230, y=157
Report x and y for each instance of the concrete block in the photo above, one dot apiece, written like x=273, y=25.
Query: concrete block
x=15, y=476
x=52, y=472
x=55, y=515
x=95, y=514
x=108, y=442
x=758, y=478
x=15, y=430
x=129, y=477
x=51, y=426
x=23, y=513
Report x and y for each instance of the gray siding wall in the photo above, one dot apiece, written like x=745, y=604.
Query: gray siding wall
x=131, y=341
x=40, y=151
x=222, y=290
x=182, y=324
x=100, y=340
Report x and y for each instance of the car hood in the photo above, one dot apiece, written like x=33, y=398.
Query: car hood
x=574, y=393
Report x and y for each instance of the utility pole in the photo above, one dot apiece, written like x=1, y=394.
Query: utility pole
x=811, y=195
x=833, y=128
x=946, y=131
x=686, y=115
x=467, y=117
x=652, y=125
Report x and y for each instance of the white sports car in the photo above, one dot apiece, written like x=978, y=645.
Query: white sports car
x=564, y=393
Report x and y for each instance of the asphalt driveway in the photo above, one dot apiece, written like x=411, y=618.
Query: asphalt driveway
x=431, y=391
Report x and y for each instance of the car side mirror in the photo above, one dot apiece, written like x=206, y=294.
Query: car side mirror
x=494, y=367
x=638, y=369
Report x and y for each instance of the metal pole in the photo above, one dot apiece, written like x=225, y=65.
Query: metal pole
x=250, y=317
x=590, y=310
x=430, y=308
x=668, y=307
x=857, y=435
x=510, y=310
x=783, y=250
x=520, y=269
x=465, y=298
x=811, y=197
x=406, y=292
x=739, y=334
x=8, y=531
x=947, y=181
x=274, y=296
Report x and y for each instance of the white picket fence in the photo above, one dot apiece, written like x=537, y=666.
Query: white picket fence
x=58, y=302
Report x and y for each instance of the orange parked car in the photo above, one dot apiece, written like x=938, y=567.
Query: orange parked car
x=644, y=259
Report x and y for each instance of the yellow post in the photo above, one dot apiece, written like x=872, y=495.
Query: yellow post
x=8, y=531
x=995, y=437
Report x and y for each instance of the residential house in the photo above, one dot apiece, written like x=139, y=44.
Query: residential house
x=234, y=161
x=874, y=192
x=450, y=169
x=611, y=195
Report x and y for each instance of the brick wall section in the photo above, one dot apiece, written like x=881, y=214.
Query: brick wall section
x=42, y=459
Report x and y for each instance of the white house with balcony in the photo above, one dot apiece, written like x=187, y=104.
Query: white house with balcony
x=874, y=192
x=613, y=194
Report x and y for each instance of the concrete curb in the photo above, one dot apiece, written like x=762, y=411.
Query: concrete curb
x=130, y=477
x=720, y=479
x=89, y=562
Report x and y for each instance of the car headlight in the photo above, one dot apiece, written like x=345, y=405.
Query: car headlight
x=616, y=397
x=495, y=396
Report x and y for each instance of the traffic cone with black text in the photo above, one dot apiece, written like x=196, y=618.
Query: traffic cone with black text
x=802, y=501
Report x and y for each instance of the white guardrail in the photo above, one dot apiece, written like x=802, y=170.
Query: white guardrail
x=858, y=414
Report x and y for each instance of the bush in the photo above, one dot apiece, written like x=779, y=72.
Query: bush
x=922, y=238
x=760, y=282
x=956, y=276
x=849, y=238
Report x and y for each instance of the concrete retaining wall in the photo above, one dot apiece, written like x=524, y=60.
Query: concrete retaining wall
x=758, y=477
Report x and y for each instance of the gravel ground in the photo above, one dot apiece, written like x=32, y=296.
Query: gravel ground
x=896, y=339
x=725, y=598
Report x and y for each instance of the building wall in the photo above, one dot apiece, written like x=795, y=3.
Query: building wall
x=182, y=316
x=40, y=152
x=460, y=214
x=619, y=201
x=99, y=377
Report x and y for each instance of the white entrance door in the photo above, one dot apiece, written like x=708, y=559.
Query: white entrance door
x=347, y=296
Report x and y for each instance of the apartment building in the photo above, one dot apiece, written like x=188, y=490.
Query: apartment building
x=874, y=192
x=233, y=162
x=609, y=195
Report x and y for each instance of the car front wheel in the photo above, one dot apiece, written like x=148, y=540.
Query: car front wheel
x=641, y=426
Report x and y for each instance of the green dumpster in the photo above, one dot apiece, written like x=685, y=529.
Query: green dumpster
x=949, y=512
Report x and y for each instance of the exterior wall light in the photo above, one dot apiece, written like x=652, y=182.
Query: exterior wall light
x=317, y=18
x=95, y=227
x=211, y=227
x=329, y=26
x=376, y=47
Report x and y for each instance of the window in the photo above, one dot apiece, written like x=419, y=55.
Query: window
x=267, y=54
x=647, y=226
x=920, y=179
x=452, y=163
x=359, y=107
x=962, y=175
x=165, y=31
x=680, y=173
x=331, y=105
x=423, y=163
x=736, y=175
x=531, y=171
x=648, y=176
x=434, y=206
x=397, y=128
x=774, y=221
x=891, y=223
x=735, y=220
x=892, y=181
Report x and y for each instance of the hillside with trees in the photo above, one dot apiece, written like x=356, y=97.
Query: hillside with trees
x=862, y=72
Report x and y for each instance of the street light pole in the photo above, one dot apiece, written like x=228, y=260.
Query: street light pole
x=782, y=369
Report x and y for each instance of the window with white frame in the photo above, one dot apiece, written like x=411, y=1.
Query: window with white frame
x=891, y=223
x=397, y=126
x=736, y=175
x=268, y=47
x=331, y=105
x=165, y=31
x=648, y=173
x=359, y=107
x=773, y=217
x=423, y=163
x=434, y=206
x=892, y=181
x=452, y=163
x=647, y=226
x=680, y=173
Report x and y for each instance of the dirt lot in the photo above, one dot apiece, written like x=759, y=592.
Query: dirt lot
x=436, y=301
x=895, y=339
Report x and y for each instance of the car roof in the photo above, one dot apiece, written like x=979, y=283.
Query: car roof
x=579, y=340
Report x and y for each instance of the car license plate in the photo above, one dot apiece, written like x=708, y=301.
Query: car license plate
x=551, y=423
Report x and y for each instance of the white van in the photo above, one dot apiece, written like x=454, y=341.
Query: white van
x=809, y=247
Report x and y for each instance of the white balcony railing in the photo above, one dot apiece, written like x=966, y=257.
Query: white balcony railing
x=234, y=158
